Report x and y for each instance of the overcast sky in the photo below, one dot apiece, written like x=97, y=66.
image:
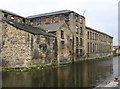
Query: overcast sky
x=101, y=15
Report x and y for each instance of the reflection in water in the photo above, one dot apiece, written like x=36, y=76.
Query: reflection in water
x=80, y=74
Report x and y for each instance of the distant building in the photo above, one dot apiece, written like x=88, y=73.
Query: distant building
x=98, y=44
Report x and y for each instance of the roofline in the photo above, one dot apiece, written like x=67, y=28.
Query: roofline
x=11, y=13
x=43, y=15
x=99, y=32
x=11, y=23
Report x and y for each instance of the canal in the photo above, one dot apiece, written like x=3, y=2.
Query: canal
x=81, y=74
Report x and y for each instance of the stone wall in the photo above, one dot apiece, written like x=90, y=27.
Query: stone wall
x=65, y=50
x=23, y=49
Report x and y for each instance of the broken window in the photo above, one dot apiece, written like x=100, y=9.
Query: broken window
x=62, y=34
x=66, y=17
x=76, y=29
x=12, y=18
x=43, y=47
x=76, y=18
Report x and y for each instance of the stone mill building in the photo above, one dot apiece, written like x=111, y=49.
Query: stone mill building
x=51, y=38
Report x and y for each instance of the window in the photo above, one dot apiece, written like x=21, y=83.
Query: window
x=76, y=29
x=81, y=42
x=23, y=20
x=93, y=36
x=88, y=47
x=5, y=15
x=80, y=19
x=47, y=21
x=38, y=21
x=31, y=21
x=93, y=48
x=56, y=19
x=88, y=35
x=81, y=31
x=12, y=18
x=67, y=17
x=62, y=44
x=76, y=18
x=77, y=52
x=81, y=52
x=77, y=42
x=62, y=34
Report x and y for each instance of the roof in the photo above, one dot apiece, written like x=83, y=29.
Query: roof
x=28, y=28
x=52, y=27
x=98, y=31
x=11, y=13
x=48, y=14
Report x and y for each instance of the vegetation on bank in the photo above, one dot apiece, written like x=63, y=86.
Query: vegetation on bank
x=42, y=67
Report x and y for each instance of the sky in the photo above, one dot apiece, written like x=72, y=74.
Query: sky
x=101, y=15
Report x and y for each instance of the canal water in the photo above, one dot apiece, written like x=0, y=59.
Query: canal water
x=81, y=74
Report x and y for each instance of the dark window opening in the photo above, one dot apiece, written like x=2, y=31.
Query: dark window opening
x=76, y=42
x=88, y=35
x=81, y=52
x=88, y=47
x=81, y=42
x=62, y=34
x=3, y=43
x=5, y=15
x=24, y=20
x=76, y=18
x=77, y=52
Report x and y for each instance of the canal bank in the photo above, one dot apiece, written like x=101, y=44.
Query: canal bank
x=79, y=74
x=50, y=66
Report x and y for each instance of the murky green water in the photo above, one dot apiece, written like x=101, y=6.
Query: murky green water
x=81, y=74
